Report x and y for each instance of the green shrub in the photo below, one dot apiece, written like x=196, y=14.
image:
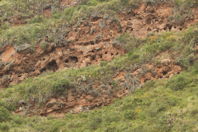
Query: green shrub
x=130, y=115
x=192, y=3
x=191, y=38
x=140, y=129
x=60, y=87
x=4, y=127
x=127, y=42
x=178, y=83
x=112, y=117
x=155, y=108
x=4, y=114
x=165, y=123
x=56, y=126
x=95, y=123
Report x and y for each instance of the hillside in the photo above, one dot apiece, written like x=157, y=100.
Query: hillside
x=99, y=65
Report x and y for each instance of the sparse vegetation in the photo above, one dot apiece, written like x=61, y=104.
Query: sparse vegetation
x=37, y=26
x=169, y=104
x=143, y=110
x=56, y=84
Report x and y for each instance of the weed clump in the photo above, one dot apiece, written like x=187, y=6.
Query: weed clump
x=4, y=115
x=178, y=83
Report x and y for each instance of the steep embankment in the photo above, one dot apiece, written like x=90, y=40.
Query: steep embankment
x=60, y=60
x=87, y=41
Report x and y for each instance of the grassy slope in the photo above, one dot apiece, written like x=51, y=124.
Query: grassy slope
x=37, y=26
x=52, y=84
x=163, y=105
x=156, y=107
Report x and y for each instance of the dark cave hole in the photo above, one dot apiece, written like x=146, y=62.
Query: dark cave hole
x=51, y=66
x=93, y=57
x=73, y=59
x=164, y=72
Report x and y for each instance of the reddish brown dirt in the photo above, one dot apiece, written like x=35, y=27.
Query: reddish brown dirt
x=151, y=19
x=152, y=72
x=88, y=42
x=66, y=3
x=47, y=12
x=8, y=54
x=79, y=101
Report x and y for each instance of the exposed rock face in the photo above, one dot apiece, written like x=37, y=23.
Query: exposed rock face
x=87, y=42
x=100, y=92
x=84, y=45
